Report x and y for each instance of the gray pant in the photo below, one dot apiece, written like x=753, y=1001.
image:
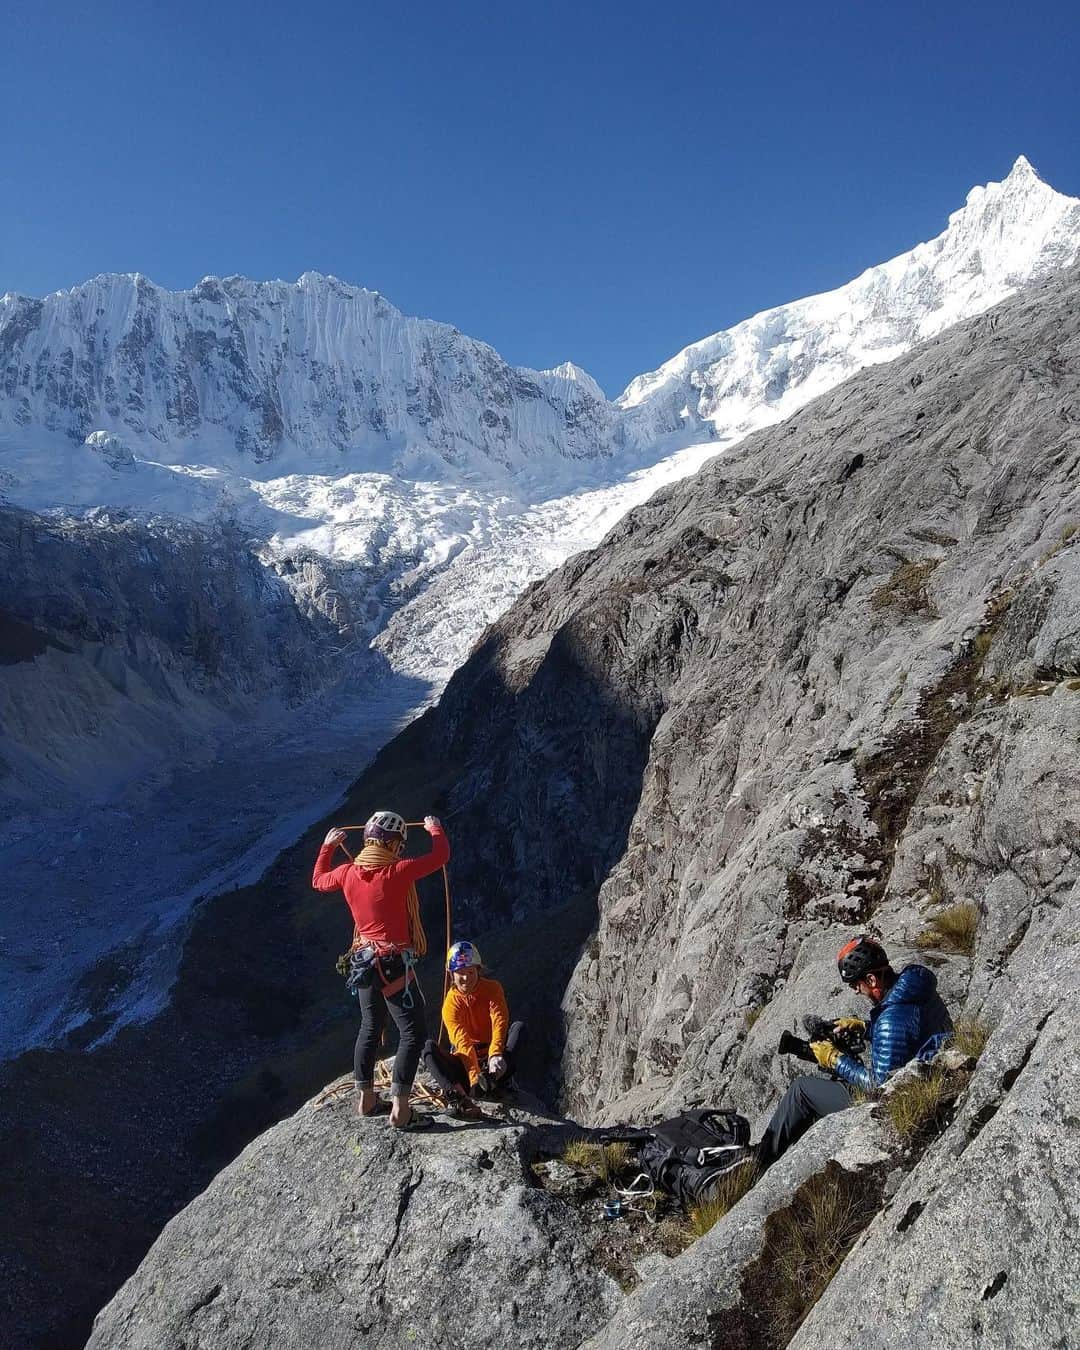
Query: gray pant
x=805, y=1101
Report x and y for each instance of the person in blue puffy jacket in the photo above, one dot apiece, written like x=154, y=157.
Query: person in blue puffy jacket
x=908, y=1021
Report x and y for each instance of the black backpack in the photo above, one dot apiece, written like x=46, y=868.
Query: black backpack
x=688, y=1154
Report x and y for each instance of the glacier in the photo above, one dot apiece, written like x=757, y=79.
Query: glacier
x=403, y=484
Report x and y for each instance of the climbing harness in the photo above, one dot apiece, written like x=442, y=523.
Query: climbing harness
x=367, y=964
x=408, y=955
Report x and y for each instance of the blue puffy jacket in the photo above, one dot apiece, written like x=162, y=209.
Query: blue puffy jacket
x=911, y=1020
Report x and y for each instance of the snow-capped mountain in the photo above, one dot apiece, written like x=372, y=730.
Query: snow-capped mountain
x=312, y=375
x=1007, y=235
x=399, y=481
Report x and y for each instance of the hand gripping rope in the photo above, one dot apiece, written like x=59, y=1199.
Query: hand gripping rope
x=409, y=961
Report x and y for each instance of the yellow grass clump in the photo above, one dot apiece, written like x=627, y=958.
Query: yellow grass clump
x=919, y=1106
x=952, y=930
x=605, y=1160
x=969, y=1036
x=733, y=1186
x=806, y=1244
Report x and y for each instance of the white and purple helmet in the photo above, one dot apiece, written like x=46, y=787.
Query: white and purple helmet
x=385, y=827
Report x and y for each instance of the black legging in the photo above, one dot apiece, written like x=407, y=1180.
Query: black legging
x=410, y=1024
x=450, y=1072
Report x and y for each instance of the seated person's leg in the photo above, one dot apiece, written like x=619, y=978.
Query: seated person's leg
x=447, y=1070
x=515, y=1040
x=805, y=1101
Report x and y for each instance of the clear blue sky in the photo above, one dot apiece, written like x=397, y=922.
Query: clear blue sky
x=605, y=182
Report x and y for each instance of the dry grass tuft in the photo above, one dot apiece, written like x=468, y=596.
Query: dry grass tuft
x=969, y=1036
x=752, y=1015
x=733, y=1186
x=953, y=930
x=1067, y=532
x=906, y=591
x=604, y=1160
x=806, y=1244
x=921, y=1105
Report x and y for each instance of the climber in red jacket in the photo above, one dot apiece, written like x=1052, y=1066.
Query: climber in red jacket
x=380, y=890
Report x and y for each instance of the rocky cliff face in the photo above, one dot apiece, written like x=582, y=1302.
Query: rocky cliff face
x=120, y=637
x=458, y=1248
x=830, y=684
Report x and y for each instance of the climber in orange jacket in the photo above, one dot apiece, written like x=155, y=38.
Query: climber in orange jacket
x=483, y=1041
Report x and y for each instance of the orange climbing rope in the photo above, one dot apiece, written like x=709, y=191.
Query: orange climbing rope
x=414, y=913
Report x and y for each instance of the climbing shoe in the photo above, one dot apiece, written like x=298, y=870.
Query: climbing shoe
x=419, y=1120
x=463, y=1109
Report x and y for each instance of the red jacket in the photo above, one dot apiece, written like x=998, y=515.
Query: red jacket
x=376, y=895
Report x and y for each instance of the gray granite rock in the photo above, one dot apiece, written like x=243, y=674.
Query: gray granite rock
x=330, y=1231
x=827, y=685
x=699, y=1298
x=981, y=1243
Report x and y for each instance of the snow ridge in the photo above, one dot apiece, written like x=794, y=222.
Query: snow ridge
x=328, y=424
x=304, y=375
x=1006, y=235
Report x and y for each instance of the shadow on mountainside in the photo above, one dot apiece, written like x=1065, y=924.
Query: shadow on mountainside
x=101, y=1147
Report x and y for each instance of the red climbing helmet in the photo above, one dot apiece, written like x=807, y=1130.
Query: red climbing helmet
x=860, y=957
x=385, y=827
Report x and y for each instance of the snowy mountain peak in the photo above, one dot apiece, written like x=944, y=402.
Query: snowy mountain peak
x=313, y=375
x=569, y=371
x=1023, y=168
x=1007, y=235
x=1022, y=193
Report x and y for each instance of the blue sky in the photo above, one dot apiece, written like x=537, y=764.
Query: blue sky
x=603, y=182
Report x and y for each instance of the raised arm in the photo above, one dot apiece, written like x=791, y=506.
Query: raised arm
x=325, y=877
x=412, y=869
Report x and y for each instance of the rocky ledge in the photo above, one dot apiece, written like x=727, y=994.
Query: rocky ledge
x=336, y=1232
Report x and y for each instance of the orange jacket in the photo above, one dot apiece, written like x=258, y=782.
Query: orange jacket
x=477, y=1020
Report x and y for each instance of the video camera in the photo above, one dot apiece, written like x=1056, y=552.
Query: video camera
x=851, y=1040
